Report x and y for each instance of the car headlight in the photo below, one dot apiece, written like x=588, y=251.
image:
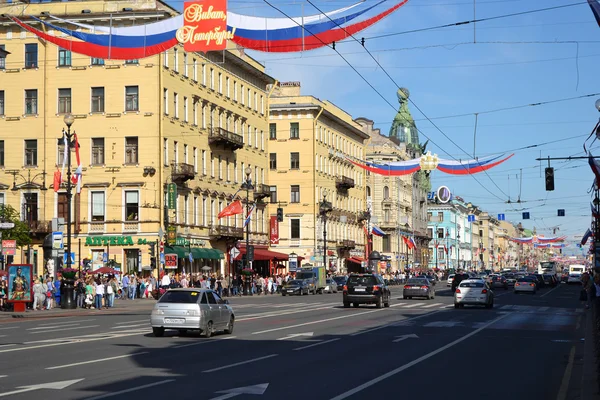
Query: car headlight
x=157, y=312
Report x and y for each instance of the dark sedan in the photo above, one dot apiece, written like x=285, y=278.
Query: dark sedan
x=297, y=286
x=540, y=280
x=550, y=280
x=498, y=281
x=340, y=281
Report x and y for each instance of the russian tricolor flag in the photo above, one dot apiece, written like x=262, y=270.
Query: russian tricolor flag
x=377, y=232
x=595, y=6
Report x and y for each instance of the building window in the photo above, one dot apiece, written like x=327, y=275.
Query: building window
x=195, y=112
x=31, y=102
x=61, y=205
x=185, y=153
x=273, y=160
x=386, y=215
x=97, y=61
x=185, y=65
x=175, y=60
x=430, y=232
x=97, y=99
x=295, y=194
x=166, y=151
x=429, y=216
x=1, y=153
x=295, y=160
x=166, y=100
x=31, y=153
x=195, y=71
x=131, y=98
x=294, y=130
x=132, y=205
x=273, y=191
x=31, y=55
x=220, y=83
x=1, y=102
x=203, y=162
x=64, y=58
x=440, y=233
x=386, y=192
x=185, y=109
x=212, y=79
x=97, y=206
x=2, y=59
x=176, y=105
x=295, y=228
x=64, y=101
x=131, y=150
x=195, y=155
x=132, y=62
x=227, y=87
x=97, y=151
x=30, y=207
x=440, y=217
x=386, y=243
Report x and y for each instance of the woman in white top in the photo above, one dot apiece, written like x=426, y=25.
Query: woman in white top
x=99, y=294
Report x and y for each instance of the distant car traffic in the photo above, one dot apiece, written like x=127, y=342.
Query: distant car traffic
x=418, y=287
x=450, y=278
x=498, y=281
x=296, y=287
x=550, y=279
x=366, y=289
x=510, y=278
x=473, y=292
x=330, y=286
x=192, y=309
x=340, y=281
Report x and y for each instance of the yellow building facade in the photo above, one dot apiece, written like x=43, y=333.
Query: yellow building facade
x=310, y=141
x=197, y=121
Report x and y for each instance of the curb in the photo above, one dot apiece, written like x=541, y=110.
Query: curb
x=589, y=378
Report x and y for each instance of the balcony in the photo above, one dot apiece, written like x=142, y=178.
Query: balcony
x=226, y=232
x=181, y=172
x=261, y=191
x=346, y=244
x=387, y=201
x=40, y=227
x=387, y=225
x=344, y=183
x=227, y=139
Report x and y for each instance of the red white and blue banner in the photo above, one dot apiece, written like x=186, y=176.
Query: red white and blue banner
x=452, y=167
x=207, y=25
x=539, y=240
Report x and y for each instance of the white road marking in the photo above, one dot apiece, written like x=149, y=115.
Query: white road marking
x=51, y=326
x=105, y=396
x=7, y=345
x=277, y=314
x=316, y=344
x=130, y=326
x=78, y=322
x=414, y=305
x=65, y=329
x=317, y=322
x=240, y=363
x=550, y=291
x=564, y=384
x=396, y=323
x=3, y=376
x=10, y=327
x=433, y=305
x=2, y=335
x=133, y=322
x=204, y=342
x=96, y=361
x=401, y=304
x=393, y=372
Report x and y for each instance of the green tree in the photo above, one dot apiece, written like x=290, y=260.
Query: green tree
x=20, y=232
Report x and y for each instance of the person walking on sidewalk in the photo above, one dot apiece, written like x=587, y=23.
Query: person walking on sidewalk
x=125, y=294
x=39, y=295
x=99, y=294
x=80, y=292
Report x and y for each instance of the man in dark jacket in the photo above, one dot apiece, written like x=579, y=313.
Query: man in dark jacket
x=458, y=278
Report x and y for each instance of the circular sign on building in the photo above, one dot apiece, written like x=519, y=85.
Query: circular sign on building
x=443, y=194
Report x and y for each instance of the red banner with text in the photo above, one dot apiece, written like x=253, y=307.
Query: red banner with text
x=274, y=230
x=204, y=26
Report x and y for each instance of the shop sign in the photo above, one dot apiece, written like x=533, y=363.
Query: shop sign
x=274, y=232
x=114, y=241
x=172, y=235
x=204, y=26
x=191, y=242
x=170, y=261
x=172, y=196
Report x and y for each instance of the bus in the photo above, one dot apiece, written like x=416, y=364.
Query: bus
x=547, y=267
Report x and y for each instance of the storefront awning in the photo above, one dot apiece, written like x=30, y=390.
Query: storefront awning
x=356, y=260
x=264, y=255
x=207, y=254
x=180, y=251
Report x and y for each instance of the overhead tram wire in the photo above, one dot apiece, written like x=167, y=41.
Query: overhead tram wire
x=372, y=87
x=362, y=42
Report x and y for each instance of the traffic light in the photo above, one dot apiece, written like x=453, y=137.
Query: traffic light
x=151, y=246
x=250, y=252
x=526, y=215
x=549, y=179
x=153, y=262
x=279, y=214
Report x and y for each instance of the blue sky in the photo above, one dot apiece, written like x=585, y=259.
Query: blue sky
x=448, y=74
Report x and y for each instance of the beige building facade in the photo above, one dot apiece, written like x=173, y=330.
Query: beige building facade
x=310, y=143
x=195, y=120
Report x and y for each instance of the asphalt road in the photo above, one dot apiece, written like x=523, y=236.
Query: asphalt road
x=309, y=347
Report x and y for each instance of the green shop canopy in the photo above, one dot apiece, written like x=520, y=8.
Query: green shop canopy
x=179, y=250
x=207, y=254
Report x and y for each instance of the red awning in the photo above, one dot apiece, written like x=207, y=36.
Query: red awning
x=264, y=254
x=356, y=260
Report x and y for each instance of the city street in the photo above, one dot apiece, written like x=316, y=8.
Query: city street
x=309, y=347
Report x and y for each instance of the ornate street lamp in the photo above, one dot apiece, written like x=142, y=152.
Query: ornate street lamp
x=68, y=289
x=325, y=207
x=247, y=184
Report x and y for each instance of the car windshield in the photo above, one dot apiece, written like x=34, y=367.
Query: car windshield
x=339, y=279
x=295, y=282
x=471, y=284
x=526, y=279
x=185, y=297
x=362, y=280
x=417, y=282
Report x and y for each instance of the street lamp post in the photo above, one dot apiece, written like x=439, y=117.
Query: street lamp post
x=247, y=184
x=68, y=120
x=324, y=208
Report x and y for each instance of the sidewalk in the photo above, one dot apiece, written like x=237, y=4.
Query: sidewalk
x=121, y=307
x=589, y=378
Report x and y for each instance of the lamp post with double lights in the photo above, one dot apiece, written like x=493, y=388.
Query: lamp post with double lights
x=68, y=120
x=325, y=207
x=247, y=185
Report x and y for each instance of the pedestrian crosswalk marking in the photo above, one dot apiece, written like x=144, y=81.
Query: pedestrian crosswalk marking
x=414, y=305
x=433, y=305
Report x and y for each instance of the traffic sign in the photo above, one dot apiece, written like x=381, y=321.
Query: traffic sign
x=72, y=258
x=501, y=217
x=57, y=240
x=471, y=218
x=105, y=257
x=191, y=257
x=233, y=253
x=7, y=225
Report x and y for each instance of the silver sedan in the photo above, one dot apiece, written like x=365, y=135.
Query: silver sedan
x=330, y=286
x=418, y=287
x=192, y=309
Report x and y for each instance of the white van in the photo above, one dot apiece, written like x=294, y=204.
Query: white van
x=575, y=272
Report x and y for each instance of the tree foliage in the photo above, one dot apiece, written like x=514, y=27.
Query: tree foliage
x=20, y=232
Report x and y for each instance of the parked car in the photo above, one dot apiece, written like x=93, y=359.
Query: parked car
x=366, y=289
x=192, y=309
x=473, y=292
x=296, y=286
x=418, y=287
